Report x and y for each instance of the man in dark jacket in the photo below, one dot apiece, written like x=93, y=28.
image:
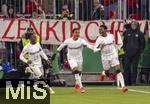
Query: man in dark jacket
x=133, y=44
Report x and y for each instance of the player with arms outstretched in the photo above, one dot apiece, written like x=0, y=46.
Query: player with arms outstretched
x=75, y=46
x=105, y=43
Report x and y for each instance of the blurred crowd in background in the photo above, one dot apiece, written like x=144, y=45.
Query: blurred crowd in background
x=89, y=9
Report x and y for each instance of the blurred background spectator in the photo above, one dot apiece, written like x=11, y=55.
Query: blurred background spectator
x=37, y=15
x=4, y=10
x=134, y=9
x=25, y=39
x=89, y=9
x=11, y=13
x=33, y=5
x=98, y=10
x=112, y=14
x=65, y=13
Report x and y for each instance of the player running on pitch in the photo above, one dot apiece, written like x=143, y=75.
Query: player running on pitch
x=109, y=55
x=35, y=52
x=75, y=46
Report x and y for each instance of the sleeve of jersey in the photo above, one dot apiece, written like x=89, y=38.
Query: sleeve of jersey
x=88, y=45
x=62, y=45
x=97, y=46
x=24, y=51
x=42, y=54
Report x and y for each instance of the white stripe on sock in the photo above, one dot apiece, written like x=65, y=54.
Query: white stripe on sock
x=78, y=80
x=120, y=79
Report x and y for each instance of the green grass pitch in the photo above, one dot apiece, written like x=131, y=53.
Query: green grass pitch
x=101, y=95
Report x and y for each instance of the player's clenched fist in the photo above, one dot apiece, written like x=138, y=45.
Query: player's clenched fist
x=48, y=61
x=29, y=62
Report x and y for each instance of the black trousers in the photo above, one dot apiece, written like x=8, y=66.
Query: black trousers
x=130, y=66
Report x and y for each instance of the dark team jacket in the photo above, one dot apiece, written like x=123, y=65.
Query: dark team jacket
x=134, y=42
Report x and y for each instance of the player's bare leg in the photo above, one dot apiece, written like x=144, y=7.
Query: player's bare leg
x=78, y=83
x=76, y=74
x=120, y=78
x=48, y=87
x=51, y=91
x=44, y=83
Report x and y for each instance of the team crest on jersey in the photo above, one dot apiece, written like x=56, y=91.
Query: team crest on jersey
x=136, y=35
x=129, y=34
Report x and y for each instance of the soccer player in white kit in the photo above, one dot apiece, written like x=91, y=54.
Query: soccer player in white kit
x=109, y=54
x=75, y=46
x=35, y=52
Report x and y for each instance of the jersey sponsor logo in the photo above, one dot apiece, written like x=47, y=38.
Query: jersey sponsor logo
x=35, y=52
x=76, y=47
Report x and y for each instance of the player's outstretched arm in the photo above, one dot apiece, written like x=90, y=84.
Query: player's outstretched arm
x=23, y=53
x=88, y=45
x=59, y=49
x=62, y=45
x=97, y=46
x=43, y=55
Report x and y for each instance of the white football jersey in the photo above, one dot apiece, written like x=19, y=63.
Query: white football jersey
x=34, y=52
x=106, y=45
x=74, y=47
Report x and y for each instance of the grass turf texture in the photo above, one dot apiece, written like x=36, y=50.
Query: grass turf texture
x=101, y=95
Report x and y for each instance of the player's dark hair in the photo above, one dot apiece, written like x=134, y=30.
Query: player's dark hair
x=29, y=28
x=75, y=29
x=103, y=26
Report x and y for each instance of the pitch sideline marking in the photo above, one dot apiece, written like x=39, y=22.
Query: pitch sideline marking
x=138, y=91
x=131, y=90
